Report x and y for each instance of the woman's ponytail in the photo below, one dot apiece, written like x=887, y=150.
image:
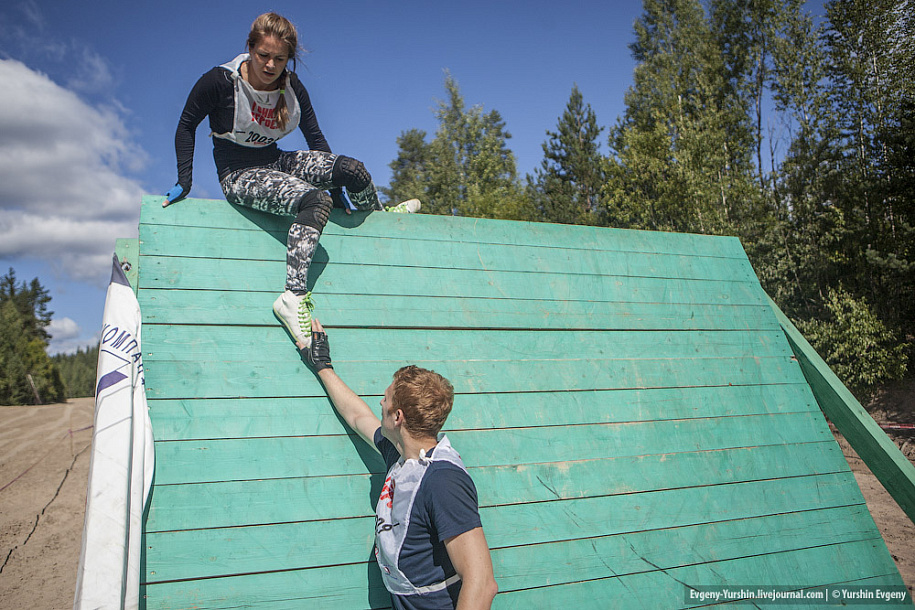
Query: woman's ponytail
x=281, y=110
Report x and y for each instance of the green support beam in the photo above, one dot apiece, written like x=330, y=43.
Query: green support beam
x=882, y=456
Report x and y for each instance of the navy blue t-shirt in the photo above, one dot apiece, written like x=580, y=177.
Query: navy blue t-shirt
x=445, y=506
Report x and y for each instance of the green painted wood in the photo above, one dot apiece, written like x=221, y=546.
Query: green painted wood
x=416, y=252
x=525, y=524
x=227, y=307
x=339, y=278
x=128, y=252
x=260, y=458
x=333, y=586
x=627, y=404
x=286, y=500
x=201, y=342
x=882, y=456
x=240, y=550
x=207, y=379
x=219, y=213
x=522, y=567
x=198, y=419
x=328, y=588
x=526, y=567
x=804, y=568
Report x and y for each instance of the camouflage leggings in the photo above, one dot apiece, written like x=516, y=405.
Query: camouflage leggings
x=293, y=186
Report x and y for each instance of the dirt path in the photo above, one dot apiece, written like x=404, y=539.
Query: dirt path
x=44, y=469
x=897, y=530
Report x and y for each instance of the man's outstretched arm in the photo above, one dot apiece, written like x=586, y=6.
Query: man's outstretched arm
x=354, y=411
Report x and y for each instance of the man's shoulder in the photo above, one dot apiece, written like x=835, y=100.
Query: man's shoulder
x=446, y=466
x=445, y=477
x=449, y=497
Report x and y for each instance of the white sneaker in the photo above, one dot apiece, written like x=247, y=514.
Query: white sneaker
x=411, y=206
x=295, y=313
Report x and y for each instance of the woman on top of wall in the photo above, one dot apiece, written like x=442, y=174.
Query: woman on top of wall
x=253, y=101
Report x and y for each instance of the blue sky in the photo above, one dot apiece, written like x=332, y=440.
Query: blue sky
x=94, y=90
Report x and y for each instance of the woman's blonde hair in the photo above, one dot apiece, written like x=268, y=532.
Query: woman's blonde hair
x=272, y=24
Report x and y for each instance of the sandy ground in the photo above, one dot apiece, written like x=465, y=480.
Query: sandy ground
x=44, y=469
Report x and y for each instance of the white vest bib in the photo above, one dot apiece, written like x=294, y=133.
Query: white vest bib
x=392, y=517
x=255, y=124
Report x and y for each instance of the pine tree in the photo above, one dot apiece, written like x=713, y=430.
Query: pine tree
x=409, y=179
x=679, y=157
x=572, y=173
x=32, y=302
x=78, y=371
x=872, y=88
x=772, y=48
x=837, y=251
x=25, y=368
x=467, y=169
x=751, y=35
x=14, y=385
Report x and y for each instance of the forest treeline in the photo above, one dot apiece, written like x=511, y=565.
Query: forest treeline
x=746, y=118
x=27, y=374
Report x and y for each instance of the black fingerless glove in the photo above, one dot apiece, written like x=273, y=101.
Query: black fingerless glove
x=318, y=355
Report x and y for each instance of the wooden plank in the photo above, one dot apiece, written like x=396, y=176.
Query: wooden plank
x=525, y=524
x=416, y=252
x=167, y=306
x=206, y=553
x=215, y=379
x=261, y=458
x=128, y=252
x=569, y=561
x=219, y=213
x=339, y=278
x=198, y=419
x=804, y=568
x=882, y=456
x=236, y=343
x=265, y=501
x=522, y=567
x=347, y=587
x=292, y=590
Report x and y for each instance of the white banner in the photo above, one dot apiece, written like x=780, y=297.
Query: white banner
x=121, y=469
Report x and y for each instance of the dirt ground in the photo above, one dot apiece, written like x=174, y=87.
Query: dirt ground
x=894, y=405
x=44, y=469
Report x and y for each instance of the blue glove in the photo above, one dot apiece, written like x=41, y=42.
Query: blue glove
x=340, y=200
x=177, y=193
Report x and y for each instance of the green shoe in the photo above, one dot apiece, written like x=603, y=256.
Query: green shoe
x=411, y=206
x=295, y=313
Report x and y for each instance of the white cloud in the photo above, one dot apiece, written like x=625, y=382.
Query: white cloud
x=65, y=337
x=93, y=73
x=65, y=192
x=63, y=328
x=32, y=14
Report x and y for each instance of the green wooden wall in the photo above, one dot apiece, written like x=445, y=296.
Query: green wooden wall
x=627, y=405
